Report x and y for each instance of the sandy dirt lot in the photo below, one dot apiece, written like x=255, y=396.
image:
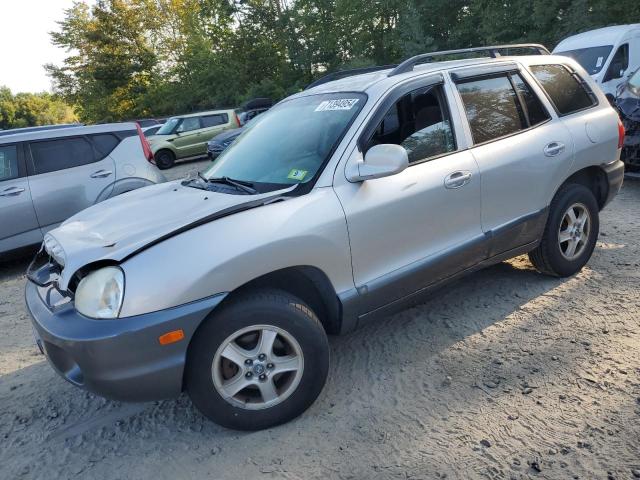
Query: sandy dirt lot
x=505, y=374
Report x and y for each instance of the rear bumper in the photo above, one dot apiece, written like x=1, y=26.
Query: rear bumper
x=615, y=175
x=120, y=359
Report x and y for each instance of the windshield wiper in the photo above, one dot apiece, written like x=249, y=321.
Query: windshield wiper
x=240, y=184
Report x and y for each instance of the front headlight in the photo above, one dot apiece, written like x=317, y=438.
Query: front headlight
x=100, y=293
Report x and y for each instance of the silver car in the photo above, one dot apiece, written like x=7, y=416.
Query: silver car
x=343, y=203
x=46, y=176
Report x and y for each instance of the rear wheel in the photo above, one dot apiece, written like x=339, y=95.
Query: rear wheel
x=570, y=234
x=260, y=361
x=164, y=159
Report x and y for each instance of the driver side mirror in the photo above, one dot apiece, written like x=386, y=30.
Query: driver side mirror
x=379, y=161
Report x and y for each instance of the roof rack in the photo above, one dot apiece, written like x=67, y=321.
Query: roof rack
x=347, y=73
x=494, y=51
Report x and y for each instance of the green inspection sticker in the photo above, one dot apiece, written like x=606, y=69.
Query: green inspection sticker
x=296, y=174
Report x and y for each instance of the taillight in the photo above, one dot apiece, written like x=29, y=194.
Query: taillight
x=237, y=119
x=146, y=148
x=620, y=134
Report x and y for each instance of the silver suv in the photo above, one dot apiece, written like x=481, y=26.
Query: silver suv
x=343, y=203
x=46, y=176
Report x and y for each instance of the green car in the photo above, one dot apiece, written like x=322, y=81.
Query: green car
x=186, y=136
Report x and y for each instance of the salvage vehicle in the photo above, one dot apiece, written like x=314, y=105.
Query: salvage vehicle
x=628, y=105
x=48, y=175
x=608, y=54
x=343, y=203
x=186, y=136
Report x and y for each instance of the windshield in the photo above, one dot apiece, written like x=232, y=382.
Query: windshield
x=169, y=127
x=592, y=59
x=290, y=143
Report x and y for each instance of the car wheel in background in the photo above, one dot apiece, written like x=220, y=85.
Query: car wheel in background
x=164, y=159
x=570, y=234
x=260, y=361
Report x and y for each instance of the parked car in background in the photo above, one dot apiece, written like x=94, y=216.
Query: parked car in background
x=147, y=122
x=607, y=54
x=150, y=131
x=186, y=136
x=220, y=142
x=46, y=176
x=628, y=105
x=343, y=203
x=253, y=108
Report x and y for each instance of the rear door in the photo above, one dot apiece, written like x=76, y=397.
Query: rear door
x=66, y=175
x=521, y=151
x=212, y=125
x=18, y=221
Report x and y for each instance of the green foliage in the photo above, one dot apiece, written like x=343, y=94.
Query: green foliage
x=32, y=109
x=138, y=58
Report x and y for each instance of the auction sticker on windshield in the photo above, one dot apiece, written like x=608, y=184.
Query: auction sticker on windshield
x=339, y=104
x=296, y=174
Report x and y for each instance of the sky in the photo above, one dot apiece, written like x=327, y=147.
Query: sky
x=25, y=45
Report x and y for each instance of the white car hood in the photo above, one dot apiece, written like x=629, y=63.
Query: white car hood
x=120, y=226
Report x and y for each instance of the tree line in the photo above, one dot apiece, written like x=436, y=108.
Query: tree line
x=139, y=58
x=29, y=109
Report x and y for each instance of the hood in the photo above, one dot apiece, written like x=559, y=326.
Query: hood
x=227, y=135
x=123, y=225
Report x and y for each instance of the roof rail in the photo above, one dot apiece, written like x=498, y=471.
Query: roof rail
x=347, y=73
x=494, y=51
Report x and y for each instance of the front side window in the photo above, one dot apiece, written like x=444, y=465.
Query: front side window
x=8, y=162
x=619, y=63
x=565, y=90
x=492, y=108
x=214, y=120
x=419, y=121
x=52, y=155
x=189, y=124
x=290, y=143
x=592, y=59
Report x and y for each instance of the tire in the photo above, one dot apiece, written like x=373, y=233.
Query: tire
x=299, y=338
x=553, y=257
x=164, y=159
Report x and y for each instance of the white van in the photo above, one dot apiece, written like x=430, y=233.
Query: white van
x=609, y=54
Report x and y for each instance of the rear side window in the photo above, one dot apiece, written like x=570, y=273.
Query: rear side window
x=213, y=120
x=565, y=89
x=52, y=155
x=533, y=108
x=8, y=162
x=105, y=143
x=492, y=108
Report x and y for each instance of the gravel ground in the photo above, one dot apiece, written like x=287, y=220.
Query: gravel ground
x=505, y=374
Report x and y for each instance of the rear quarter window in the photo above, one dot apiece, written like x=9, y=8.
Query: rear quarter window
x=567, y=93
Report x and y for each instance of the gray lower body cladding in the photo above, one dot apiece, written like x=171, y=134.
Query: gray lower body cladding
x=121, y=359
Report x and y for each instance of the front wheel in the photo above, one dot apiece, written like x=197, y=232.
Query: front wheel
x=260, y=361
x=164, y=159
x=570, y=234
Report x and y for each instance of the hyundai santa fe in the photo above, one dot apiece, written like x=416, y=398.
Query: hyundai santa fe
x=342, y=203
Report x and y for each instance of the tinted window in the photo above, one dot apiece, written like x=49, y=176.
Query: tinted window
x=188, y=124
x=59, y=154
x=619, y=63
x=151, y=131
x=213, y=120
x=419, y=121
x=492, y=108
x=105, y=143
x=592, y=59
x=8, y=162
x=566, y=92
x=534, y=110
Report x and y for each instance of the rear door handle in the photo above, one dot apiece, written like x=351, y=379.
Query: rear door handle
x=11, y=192
x=554, y=148
x=457, y=179
x=101, y=174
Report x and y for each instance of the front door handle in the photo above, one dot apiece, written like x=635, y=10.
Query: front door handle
x=101, y=174
x=554, y=148
x=11, y=192
x=457, y=179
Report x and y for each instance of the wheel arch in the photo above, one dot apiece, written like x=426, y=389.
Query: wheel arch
x=595, y=179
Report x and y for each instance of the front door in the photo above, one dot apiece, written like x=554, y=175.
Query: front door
x=187, y=141
x=410, y=230
x=67, y=175
x=18, y=221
